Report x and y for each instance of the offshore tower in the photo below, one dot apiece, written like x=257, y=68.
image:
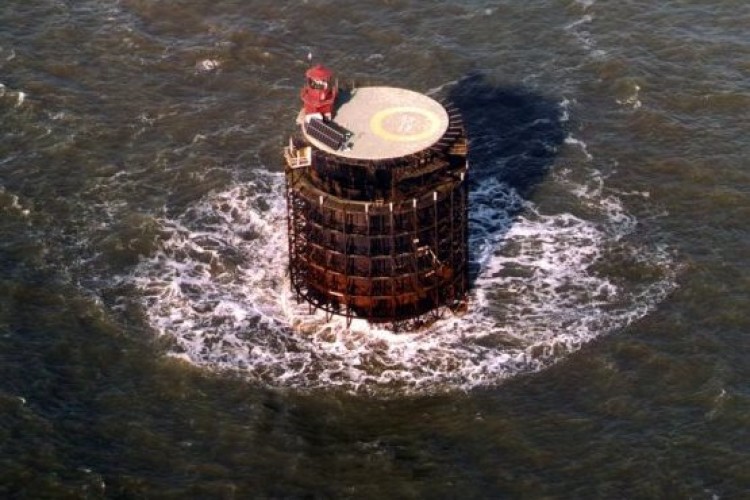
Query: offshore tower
x=377, y=199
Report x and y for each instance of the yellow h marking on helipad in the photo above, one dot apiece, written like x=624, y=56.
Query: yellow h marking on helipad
x=405, y=127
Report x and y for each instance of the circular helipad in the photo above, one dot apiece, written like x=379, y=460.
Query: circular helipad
x=387, y=122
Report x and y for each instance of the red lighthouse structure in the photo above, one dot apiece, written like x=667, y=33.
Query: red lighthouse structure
x=377, y=203
x=319, y=92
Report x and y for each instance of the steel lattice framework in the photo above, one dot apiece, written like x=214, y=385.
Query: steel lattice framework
x=384, y=240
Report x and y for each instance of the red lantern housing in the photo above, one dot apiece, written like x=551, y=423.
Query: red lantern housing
x=319, y=92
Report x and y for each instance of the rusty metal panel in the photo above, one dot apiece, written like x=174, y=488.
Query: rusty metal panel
x=384, y=240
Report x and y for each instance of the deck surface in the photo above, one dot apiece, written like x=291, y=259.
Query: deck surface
x=387, y=122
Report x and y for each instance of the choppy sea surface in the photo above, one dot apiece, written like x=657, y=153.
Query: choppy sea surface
x=150, y=346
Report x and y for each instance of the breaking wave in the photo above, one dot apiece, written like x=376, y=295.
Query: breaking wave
x=218, y=287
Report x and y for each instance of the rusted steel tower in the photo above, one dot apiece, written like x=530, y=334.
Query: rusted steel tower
x=377, y=202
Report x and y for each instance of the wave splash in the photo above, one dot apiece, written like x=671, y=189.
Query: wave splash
x=218, y=287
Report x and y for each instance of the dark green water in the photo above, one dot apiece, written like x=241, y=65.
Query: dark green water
x=149, y=347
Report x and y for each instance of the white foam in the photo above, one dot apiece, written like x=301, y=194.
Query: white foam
x=480, y=11
x=218, y=286
x=583, y=36
x=19, y=95
x=632, y=100
x=565, y=109
x=578, y=22
x=581, y=145
x=12, y=203
x=207, y=65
